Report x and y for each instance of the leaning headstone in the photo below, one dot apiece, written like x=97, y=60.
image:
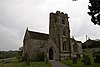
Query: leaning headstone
x=74, y=59
x=87, y=60
x=97, y=59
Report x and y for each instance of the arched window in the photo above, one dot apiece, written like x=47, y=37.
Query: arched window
x=64, y=32
x=64, y=46
x=63, y=22
x=75, y=48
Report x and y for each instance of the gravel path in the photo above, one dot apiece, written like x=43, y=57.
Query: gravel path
x=57, y=64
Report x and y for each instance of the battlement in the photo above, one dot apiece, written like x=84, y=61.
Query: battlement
x=58, y=13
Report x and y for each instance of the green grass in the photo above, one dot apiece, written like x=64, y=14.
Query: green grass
x=15, y=63
x=81, y=64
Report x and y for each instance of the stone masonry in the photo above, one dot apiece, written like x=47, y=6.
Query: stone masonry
x=56, y=45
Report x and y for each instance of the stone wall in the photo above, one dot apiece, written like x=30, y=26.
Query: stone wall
x=59, y=32
x=51, y=44
x=33, y=47
x=79, y=47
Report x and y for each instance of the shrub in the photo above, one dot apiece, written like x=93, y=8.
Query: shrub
x=40, y=56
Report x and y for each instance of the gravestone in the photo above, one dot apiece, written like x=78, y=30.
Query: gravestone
x=96, y=56
x=97, y=59
x=74, y=59
x=87, y=60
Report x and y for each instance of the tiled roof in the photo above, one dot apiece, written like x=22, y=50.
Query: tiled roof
x=38, y=35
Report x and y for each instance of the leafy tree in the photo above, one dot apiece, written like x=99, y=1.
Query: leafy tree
x=94, y=8
x=93, y=44
x=20, y=53
x=8, y=54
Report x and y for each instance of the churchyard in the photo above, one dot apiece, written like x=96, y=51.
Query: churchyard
x=80, y=62
x=16, y=63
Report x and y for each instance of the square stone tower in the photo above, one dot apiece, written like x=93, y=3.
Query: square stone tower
x=59, y=32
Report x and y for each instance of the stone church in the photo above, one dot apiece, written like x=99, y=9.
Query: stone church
x=56, y=45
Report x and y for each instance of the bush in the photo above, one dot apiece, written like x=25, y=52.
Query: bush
x=40, y=56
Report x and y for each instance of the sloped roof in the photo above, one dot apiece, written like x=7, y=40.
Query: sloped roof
x=73, y=40
x=38, y=35
x=88, y=42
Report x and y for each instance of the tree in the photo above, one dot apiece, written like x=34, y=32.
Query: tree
x=94, y=8
x=20, y=53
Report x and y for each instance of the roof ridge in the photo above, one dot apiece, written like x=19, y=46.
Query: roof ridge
x=37, y=32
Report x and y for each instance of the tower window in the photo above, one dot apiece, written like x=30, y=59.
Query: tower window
x=64, y=32
x=64, y=47
x=75, y=48
x=63, y=22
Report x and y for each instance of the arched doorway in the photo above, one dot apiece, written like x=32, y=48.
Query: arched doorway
x=50, y=54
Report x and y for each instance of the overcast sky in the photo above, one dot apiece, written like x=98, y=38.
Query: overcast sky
x=16, y=15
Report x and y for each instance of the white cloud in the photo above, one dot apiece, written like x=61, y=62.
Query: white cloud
x=9, y=38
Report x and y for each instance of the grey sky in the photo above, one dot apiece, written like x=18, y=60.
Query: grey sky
x=16, y=15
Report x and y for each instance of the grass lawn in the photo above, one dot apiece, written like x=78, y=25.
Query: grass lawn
x=15, y=63
x=80, y=64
